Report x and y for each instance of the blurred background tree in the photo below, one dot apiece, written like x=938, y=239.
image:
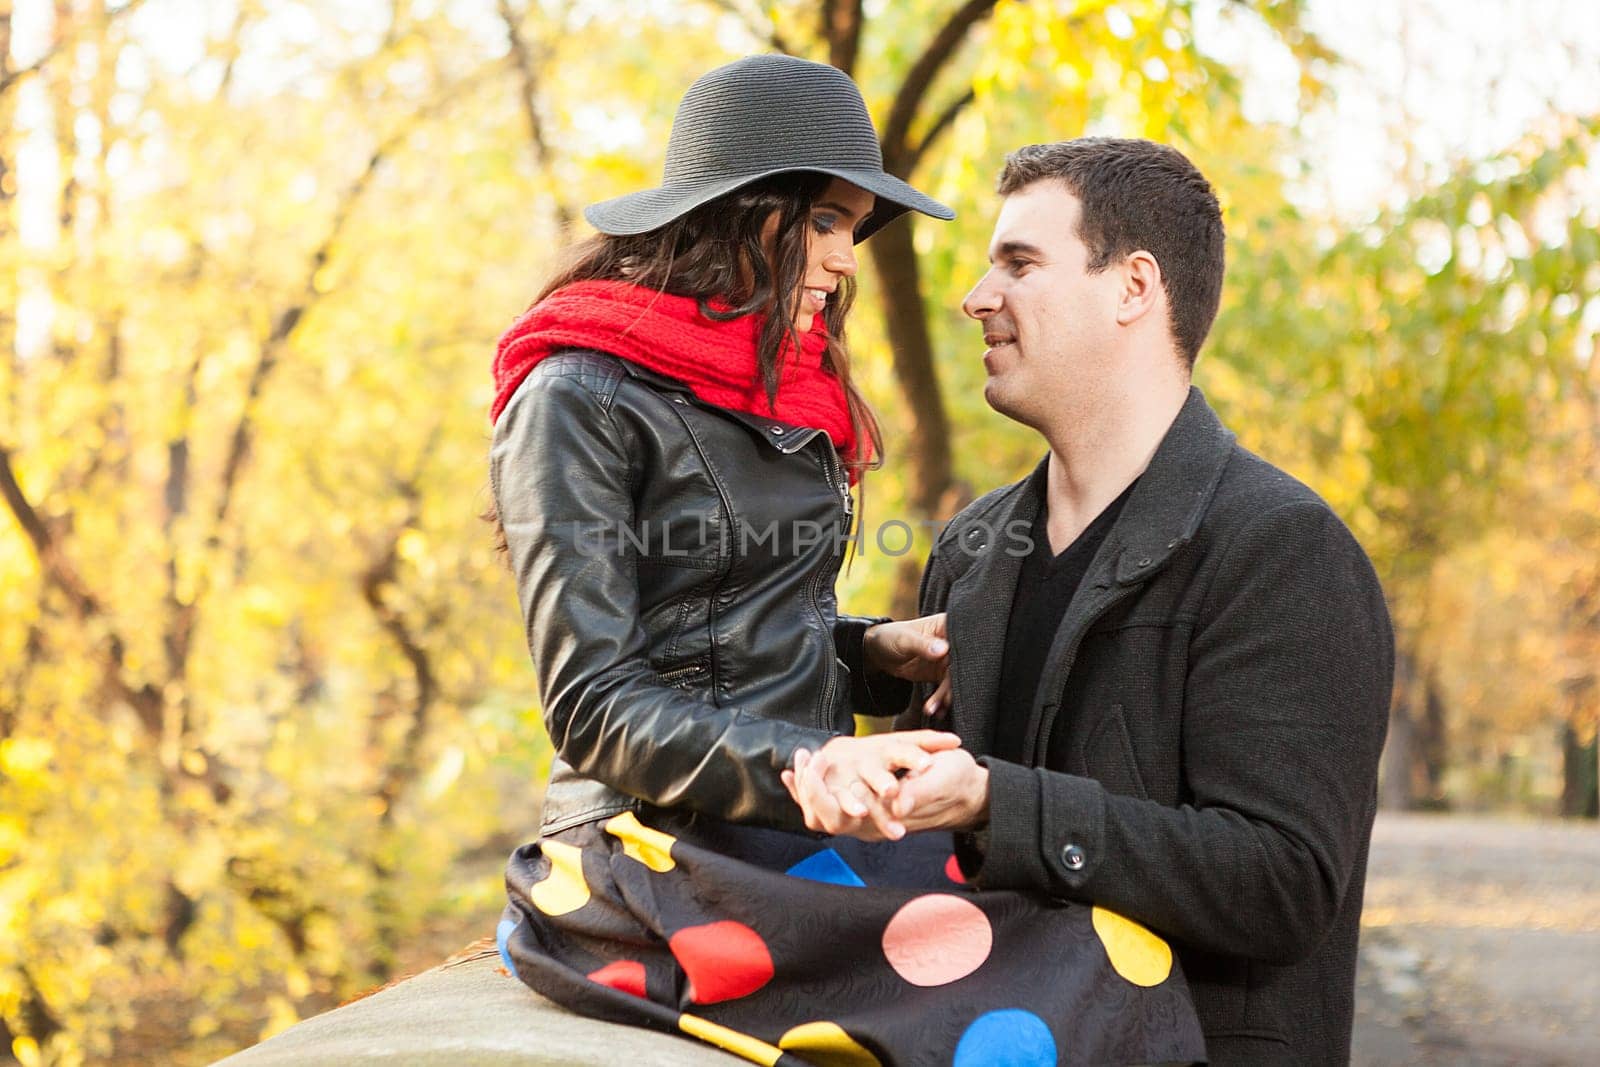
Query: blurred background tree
x=267, y=727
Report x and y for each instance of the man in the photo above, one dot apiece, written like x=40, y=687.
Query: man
x=1173, y=705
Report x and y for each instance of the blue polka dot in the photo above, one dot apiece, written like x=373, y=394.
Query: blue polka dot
x=1009, y=1038
x=826, y=866
x=502, y=935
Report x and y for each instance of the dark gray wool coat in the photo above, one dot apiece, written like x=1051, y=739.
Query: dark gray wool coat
x=1205, y=736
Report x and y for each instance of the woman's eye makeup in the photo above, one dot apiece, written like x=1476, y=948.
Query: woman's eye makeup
x=823, y=222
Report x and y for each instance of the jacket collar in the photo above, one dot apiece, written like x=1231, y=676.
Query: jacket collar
x=1161, y=515
x=783, y=436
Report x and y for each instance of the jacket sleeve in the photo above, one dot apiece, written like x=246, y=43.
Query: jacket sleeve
x=933, y=596
x=872, y=692
x=563, y=484
x=1285, y=709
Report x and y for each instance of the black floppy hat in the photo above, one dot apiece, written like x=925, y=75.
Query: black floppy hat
x=756, y=117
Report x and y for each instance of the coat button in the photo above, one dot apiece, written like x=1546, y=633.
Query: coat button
x=777, y=431
x=1145, y=562
x=1072, y=858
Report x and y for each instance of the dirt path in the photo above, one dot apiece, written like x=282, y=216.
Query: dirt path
x=1480, y=943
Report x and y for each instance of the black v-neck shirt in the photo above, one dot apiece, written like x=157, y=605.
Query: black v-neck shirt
x=1045, y=587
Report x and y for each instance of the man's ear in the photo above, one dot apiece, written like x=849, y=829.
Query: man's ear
x=1141, y=287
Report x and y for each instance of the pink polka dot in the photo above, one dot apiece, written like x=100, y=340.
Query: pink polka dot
x=723, y=960
x=937, y=939
x=625, y=975
x=952, y=870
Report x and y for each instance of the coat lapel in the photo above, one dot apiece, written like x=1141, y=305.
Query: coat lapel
x=1160, y=517
x=980, y=610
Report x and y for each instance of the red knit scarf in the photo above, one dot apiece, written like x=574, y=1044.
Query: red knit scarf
x=667, y=334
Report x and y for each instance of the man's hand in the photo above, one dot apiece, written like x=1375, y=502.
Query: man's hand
x=848, y=785
x=951, y=793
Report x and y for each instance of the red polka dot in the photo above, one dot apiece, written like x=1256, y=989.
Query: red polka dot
x=625, y=975
x=952, y=870
x=723, y=960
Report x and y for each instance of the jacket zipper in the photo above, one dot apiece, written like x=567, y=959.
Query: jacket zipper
x=830, y=464
x=684, y=673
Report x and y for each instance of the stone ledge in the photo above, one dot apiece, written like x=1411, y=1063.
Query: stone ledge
x=467, y=1013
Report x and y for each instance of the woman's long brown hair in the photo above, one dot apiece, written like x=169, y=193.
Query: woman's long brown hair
x=717, y=253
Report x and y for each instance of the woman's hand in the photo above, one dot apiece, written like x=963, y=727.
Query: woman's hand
x=848, y=785
x=915, y=649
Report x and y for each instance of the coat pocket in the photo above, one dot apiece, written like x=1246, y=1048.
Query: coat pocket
x=1108, y=755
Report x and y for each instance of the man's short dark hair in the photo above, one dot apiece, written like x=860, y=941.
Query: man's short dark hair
x=1139, y=195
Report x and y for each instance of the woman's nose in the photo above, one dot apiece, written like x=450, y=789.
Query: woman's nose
x=841, y=261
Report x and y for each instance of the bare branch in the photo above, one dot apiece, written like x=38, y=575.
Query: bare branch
x=231, y=54
x=919, y=79
x=946, y=118
x=145, y=700
x=768, y=33
x=180, y=612
x=376, y=582
x=523, y=56
x=59, y=47
x=57, y=569
x=289, y=317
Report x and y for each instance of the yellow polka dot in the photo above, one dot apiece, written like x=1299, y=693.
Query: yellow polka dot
x=867, y=725
x=565, y=890
x=827, y=1045
x=650, y=847
x=1138, y=955
x=739, y=1044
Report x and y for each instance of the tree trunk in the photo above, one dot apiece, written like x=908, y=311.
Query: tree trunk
x=894, y=258
x=1433, y=749
x=1580, y=775
x=841, y=28
x=1394, y=778
x=1416, y=755
x=929, y=457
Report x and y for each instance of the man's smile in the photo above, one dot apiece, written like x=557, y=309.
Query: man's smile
x=996, y=340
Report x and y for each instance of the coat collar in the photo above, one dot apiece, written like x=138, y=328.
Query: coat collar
x=1161, y=515
x=1167, y=506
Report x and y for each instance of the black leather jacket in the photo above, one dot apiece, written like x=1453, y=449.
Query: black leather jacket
x=675, y=563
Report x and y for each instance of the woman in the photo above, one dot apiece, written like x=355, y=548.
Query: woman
x=676, y=436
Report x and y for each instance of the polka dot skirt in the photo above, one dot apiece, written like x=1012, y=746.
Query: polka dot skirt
x=788, y=949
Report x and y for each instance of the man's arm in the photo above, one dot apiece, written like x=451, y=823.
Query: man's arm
x=1286, y=705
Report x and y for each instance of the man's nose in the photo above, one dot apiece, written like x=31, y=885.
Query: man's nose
x=841, y=261
x=982, y=301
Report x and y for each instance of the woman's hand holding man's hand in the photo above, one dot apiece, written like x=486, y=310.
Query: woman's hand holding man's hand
x=846, y=787
x=887, y=785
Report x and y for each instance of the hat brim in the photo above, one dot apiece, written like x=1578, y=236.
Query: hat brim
x=648, y=209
